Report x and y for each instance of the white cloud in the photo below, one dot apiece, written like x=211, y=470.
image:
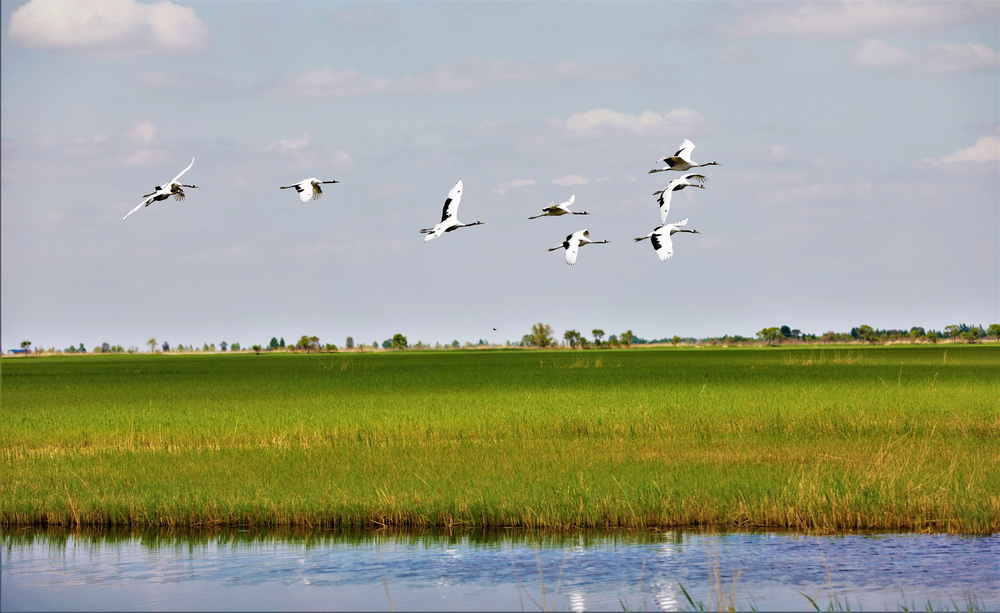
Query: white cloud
x=569, y=180
x=285, y=145
x=108, y=27
x=943, y=57
x=341, y=160
x=142, y=133
x=503, y=188
x=852, y=19
x=463, y=75
x=598, y=122
x=873, y=53
x=325, y=83
x=962, y=57
x=146, y=156
x=986, y=149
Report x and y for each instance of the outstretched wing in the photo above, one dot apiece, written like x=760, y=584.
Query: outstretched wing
x=663, y=245
x=145, y=202
x=572, y=248
x=451, y=204
x=664, y=201
x=304, y=189
x=183, y=171
x=685, y=151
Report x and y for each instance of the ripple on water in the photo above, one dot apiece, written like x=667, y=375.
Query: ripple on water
x=511, y=571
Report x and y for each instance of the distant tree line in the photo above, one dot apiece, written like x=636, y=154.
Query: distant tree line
x=542, y=336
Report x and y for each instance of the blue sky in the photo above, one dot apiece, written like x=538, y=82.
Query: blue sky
x=858, y=143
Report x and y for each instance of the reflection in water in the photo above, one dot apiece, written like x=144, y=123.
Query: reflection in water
x=302, y=570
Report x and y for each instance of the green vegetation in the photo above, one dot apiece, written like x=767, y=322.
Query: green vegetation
x=816, y=438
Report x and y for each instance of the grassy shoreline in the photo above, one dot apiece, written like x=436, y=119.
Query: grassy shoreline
x=820, y=439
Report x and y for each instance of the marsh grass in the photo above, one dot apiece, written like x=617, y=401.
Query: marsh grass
x=872, y=438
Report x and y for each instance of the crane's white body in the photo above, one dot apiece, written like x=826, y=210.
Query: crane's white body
x=308, y=189
x=161, y=192
x=688, y=180
x=681, y=160
x=660, y=238
x=573, y=243
x=449, y=215
x=556, y=210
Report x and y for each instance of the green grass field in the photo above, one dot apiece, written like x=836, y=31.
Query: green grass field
x=824, y=439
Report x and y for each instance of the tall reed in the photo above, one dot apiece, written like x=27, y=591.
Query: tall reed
x=885, y=438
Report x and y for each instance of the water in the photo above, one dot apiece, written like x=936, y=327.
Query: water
x=509, y=571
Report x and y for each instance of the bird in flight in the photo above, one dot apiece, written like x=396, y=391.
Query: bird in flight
x=660, y=238
x=449, y=215
x=688, y=180
x=308, y=189
x=162, y=192
x=555, y=210
x=681, y=160
x=573, y=243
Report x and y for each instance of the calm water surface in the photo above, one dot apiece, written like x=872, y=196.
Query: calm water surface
x=499, y=571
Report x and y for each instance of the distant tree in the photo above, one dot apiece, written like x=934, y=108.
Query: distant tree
x=223, y=345
x=972, y=334
x=572, y=337
x=152, y=344
x=273, y=344
x=256, y=349
x=398, y=341
x=281, y=343
x=234, y=347
x=769, y=334
x=541, y=335
x=786, y=331
x=81, y=348
x=25, y=345
x=676, y=339
x=627, y=338
x=598, y=335
x=953, y=331
x=932, y=336
x=349, y=343
x=105, y=347
x=866, y=333
x=308, y=343
x=166, y=346
x=994, y=331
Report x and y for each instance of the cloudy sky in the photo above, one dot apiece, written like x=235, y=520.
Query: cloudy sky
x=858, y=143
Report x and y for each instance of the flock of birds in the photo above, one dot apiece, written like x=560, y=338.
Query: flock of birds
x=310, y=189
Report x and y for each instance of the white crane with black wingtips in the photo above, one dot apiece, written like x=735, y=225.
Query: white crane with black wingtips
x=573, y=243
x=449, y=215
x=308, y=189
x=161, y=192
x=681, y=160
